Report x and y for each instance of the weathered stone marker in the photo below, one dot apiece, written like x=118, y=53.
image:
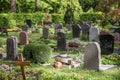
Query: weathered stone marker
x=22, y=63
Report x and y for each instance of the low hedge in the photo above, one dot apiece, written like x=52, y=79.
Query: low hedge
x=17, y=19
x=37, y=52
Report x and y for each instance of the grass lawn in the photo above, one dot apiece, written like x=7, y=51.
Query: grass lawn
x=51, y=73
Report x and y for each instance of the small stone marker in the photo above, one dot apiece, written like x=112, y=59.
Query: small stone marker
x=22, y=63
x=24, y=38
x=94, y=34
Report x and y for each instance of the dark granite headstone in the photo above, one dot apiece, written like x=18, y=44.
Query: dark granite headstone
x=61, y=41
x=24, y=38
x=1, y=56
x=76, y=30
x=58, y=26
x=25, y=28
x=12, y=48
x=45, y=32
x=29, y=22
x=106, y=44
x=85, y=27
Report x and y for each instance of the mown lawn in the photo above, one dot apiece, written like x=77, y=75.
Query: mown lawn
x=51, y=73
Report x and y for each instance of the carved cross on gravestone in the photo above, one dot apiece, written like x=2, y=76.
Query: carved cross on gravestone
x=22, y=63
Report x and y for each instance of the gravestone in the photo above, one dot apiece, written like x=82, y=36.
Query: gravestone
x=76, y=30
x=69, y=27
x=57, y=27
x=92, y=58
x=106, y=44
x=45, y=33
x=25, y=28
x=12, y=48
x=85, y=27
x=1, y=56
x=61, y=41
x=94, y=34
x=29, y=22
x=117, y=36
x=24, y=38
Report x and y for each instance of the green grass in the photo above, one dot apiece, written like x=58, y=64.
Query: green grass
x=51, y=73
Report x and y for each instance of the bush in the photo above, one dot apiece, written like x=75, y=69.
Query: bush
x=89, y=17
x=37, y=52
x=113, y=59
x=57, y=18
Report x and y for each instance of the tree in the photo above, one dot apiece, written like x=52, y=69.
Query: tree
x=4, y=5
x=13, y=5
x=37, y=5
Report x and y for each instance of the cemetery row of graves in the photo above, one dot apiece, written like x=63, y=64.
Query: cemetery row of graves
x=73, y=52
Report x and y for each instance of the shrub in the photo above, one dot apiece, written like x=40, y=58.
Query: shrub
x=89, y=17
x=2, y=42
x=57, y=18
x=37, y=52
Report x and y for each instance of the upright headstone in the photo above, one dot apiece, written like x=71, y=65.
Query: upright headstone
x=76, y=30
x=57, y=27
x=106, y=44
x=24, y=38
x=85, y=27
x=117, y=36
x=92, y=56
x=25, y=28
x=61, y=41
x=45, y=33
x=29, y=22
x=12, y=48
x=94, y=34
x=69, y=27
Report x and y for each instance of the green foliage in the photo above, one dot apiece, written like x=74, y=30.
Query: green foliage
x=90, y=17
x=4, y=5
x=37, y=52
x=2, y=42
x=57, y=18
x=11, y=20
x=69, y=15
x=113, y=59
x=87, y=4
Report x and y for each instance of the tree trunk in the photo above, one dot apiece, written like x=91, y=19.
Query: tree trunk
x=37, y=3
x=13, y=5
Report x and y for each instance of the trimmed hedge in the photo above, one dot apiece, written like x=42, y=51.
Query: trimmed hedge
x=89, y=17
x=36, y=52
x=17, y=19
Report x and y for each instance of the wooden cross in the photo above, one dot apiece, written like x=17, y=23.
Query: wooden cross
x=22, y=63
